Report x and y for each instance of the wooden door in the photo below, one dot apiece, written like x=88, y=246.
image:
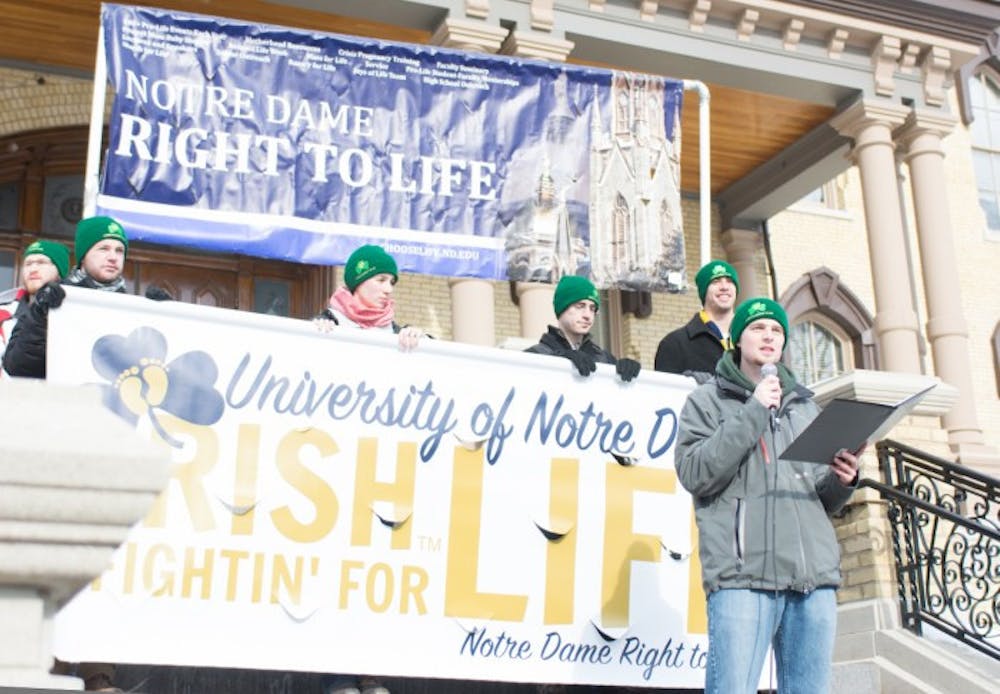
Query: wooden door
x=207, y=281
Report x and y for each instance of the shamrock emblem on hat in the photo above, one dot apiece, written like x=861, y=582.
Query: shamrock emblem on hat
x=115, y=229
x=757, y=307
x=361, y=266
x=718, y=270
x=141, y=383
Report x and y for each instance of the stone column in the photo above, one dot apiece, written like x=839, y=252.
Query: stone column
x=473, y=317
x=535, y=298
x=870, y=125
x=947, y=330
x=742, y=246
x=73, y=479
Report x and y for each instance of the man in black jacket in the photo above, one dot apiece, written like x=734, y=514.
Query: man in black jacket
x=576, y=302
x=695, y=348
x=100, y=250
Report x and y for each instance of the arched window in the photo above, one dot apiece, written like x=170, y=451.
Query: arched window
x=815, y=352
x=985, y=97
x=830, y=329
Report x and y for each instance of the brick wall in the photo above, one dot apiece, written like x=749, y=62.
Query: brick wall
x=35, y=101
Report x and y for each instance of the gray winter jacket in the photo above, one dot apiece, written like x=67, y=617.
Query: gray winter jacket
x=761, y=524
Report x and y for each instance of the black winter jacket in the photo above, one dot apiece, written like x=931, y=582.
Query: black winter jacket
x=692, y=347
x=26, y=350
x=553, y=342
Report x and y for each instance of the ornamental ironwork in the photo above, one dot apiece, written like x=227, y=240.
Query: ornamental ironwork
x=945, y=528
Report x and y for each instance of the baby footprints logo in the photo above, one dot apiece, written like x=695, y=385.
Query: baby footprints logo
x=142, y=383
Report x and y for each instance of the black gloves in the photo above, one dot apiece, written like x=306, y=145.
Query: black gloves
x=157, y=294
x=583, y=362
x=49, y=296
x=627, y=368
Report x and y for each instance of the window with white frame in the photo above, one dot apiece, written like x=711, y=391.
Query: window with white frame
x=815, y=351
x=829, y=196
x=985, y=97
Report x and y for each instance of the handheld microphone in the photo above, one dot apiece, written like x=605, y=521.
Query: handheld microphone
x=765, y=371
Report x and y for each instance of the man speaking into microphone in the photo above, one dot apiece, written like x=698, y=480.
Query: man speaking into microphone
x=769, y=555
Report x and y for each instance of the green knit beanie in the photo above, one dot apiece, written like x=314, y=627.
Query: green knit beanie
x=93, y=229
x=366, y=262
x=754, y=309
x=573, y=288
x=714, y=270
x=56, y=252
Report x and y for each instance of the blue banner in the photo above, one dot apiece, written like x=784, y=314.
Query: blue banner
x=296, y=145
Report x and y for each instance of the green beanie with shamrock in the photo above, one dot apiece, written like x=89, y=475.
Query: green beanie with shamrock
x=755, y=309
x=712, y=271
x=91, y=230
x=366, y=262
x=56, y=252
x=573, y=288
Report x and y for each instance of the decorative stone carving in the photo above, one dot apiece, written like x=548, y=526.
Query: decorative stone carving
x=480, y=9
x=747, y=24
x=836, y=41
x=935, y=67
x=528, y=45
x=543, y=14
x=909, y=58
x=469, y=34
x=648, y=9
x=699, y=15
x=884, y=63
x=793, y=34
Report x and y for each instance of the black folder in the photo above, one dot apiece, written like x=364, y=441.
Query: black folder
x=848, y=424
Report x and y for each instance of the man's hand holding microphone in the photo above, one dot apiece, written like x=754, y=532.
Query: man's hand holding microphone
x=768, y=391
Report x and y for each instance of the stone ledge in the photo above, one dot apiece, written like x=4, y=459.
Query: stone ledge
x=888, y=388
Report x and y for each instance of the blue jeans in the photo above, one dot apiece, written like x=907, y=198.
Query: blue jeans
x=742, y=623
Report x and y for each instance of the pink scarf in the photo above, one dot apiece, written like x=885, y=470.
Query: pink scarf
x=365, y=316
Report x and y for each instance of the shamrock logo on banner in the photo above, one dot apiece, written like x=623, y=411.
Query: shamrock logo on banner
x=141, y=383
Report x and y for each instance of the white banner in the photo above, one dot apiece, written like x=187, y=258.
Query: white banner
x=337, y=505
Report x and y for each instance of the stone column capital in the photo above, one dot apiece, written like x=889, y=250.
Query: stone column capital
x=739, y=242
x=864, y=113
x=522, y=288
x=921, y=123
x=469, y=34
x=527, y=44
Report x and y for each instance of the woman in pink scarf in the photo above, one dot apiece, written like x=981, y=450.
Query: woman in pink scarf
x=365, y=300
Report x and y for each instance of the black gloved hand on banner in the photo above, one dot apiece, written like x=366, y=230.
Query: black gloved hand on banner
x=583, y=362
x=628, y=368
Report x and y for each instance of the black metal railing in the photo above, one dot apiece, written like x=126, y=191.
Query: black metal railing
x=945, y=526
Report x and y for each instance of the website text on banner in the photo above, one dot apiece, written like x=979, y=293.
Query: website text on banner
x=301, y=146
x=338, y=505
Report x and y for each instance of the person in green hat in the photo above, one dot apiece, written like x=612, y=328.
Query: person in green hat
x=365, y=299
x=576, y=302
x=695, y=348
x=100, y=248
x=44, y=263
x=770, y=561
